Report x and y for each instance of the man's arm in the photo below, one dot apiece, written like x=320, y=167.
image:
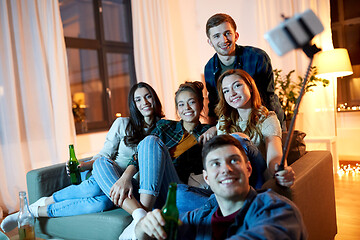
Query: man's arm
x=213, y=100
x=271, y=217
x=210, y=80
x=264, y=74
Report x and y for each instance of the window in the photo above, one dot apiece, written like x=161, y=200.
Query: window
x=99, y=45
x=345, y=26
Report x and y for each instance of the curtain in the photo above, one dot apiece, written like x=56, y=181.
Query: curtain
x=154, y=50
x=36, y=123
x=316, y=115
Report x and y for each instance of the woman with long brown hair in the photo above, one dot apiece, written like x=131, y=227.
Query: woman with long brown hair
x=119, y=148
x=240, y=110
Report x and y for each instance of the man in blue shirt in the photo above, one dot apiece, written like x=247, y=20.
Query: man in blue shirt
x=222, y=36
x=235, y=210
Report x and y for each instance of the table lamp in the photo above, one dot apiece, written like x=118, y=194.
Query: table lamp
x=333, y=63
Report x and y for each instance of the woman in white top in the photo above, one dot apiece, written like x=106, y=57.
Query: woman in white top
x=240, y=111
x=119, y=148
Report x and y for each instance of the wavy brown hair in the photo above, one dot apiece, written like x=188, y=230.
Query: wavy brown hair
x=231, y=115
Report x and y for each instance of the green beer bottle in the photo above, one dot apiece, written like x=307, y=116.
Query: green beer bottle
x=170, y=213
x=73, y=167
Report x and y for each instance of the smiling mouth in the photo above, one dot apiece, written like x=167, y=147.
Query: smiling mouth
x=225, y=47
x=235, y=100
x=229, y=181
x=146, y=108
x=188, y=114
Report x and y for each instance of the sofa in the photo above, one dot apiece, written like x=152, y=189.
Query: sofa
x=312, y=192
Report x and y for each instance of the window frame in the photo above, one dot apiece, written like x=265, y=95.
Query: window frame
x=103, y=47
x=338, y=28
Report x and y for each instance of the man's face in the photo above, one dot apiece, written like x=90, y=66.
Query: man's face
x=223, y=39
x=227, y=173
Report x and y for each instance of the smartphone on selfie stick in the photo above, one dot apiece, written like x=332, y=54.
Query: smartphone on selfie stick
x=293, y=33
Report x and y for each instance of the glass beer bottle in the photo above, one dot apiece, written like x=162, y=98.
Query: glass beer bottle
x=26, y=220
x=170, y=213
x=73, y=164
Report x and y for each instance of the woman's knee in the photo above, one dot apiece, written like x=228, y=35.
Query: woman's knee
x=98, y=204
x=151, y=149
x=149, y=141
x=101, y=162
x=88, y=188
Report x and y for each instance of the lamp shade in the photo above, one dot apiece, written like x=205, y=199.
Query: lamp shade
x=333, y=63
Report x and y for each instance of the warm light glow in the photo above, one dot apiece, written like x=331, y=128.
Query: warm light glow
x=333, y=63
x=345, y=107
x=79, y=98
x=348, y=170
x=118, y=114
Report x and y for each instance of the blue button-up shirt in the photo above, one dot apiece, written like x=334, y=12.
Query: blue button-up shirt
x=255, y=62
x=264, y=215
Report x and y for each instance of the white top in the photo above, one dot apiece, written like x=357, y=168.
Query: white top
x=269, y=127
x=114, y=146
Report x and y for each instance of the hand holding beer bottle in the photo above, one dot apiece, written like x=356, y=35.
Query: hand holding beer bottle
x=161, y=224
x=72, y=167
x=170, y=213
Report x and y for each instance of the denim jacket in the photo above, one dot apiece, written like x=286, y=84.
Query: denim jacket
x=255, y=62
x=264, y=215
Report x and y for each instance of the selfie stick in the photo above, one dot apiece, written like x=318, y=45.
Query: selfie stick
x=310, y=51
x=293, y=33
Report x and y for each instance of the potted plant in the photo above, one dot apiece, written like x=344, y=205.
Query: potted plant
x=288, y=90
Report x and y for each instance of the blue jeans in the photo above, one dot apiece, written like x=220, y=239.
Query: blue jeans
x=189, y=198
x=92, y=195
x=156, y=169
x=106, y=172
x=257, y=161
x=84, y=198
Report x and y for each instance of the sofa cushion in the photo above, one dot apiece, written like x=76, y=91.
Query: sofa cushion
x=104, y=225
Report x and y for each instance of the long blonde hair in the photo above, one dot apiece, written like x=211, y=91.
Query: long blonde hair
x=231, y=115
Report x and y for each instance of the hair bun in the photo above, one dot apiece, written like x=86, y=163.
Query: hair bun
x=199, y=85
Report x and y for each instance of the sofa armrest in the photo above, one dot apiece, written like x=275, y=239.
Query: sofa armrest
x=45, y=181
x=313, y=193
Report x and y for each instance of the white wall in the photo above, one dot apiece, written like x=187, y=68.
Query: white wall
x=348, y=131
x=89, y=144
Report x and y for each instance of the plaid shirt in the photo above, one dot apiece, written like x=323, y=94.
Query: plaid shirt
x=171, y=132
x=255, y=62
